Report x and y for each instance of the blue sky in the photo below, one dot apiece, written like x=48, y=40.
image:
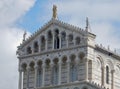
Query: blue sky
x=99, y=12
x=16, y=16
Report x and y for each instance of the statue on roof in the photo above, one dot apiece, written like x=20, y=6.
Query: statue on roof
x=24, y=36
x=54, y=11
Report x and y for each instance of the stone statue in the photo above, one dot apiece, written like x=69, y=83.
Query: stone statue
x=54, y=11
x=24, y=36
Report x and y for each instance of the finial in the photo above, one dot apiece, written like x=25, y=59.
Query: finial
x=87, y=25
x=24, y=36
x=54, y=11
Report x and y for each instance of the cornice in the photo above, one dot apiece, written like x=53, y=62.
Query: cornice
x=108, y=52
x=51, y=51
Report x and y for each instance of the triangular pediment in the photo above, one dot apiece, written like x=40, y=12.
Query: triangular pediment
x=53, y=23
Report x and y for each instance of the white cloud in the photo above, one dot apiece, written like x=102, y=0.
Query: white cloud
x=12, y=10
x=102, y=14
x=10, y=37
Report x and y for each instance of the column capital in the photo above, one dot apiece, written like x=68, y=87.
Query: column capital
x=36, y=67
x=67, y=37
x=113, y=71
x=60, y=61
x=86, y=59
x=43, y=65
x=60, y=35
x=28, y=68
x=68, y=61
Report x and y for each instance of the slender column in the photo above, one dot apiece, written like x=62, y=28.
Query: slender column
x=32, y=48
x=103, y=76
x=28, y=70
x=39, y=43
x=43, y=78
x=60, y=41
x=86, y=69
x=77, y=62
x=53, y=40
x=35, y=78
x=112, y=73
x=60, y=72
x=51, y=66
x=20, y=79
x=46, y=42
x=68, y=71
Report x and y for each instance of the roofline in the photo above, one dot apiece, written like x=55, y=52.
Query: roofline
x=54, y=21
x=106, y=51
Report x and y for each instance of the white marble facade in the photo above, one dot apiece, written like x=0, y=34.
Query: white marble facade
x=62, y=56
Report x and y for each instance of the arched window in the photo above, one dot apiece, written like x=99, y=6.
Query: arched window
x=50, y=39
x=31, y=72
x=56, y=42
x=39, y=74
x=47, y=73
x=55, y=72
x=42, y=43
x=24, y=67
x=107, y=74
x=49, y=36
x=29, y=51
x=70, y=40
x=36, y=47
x=77, y=40
x=64, y=70
x=73, y=72
x=55, y=75
x=63, y=39
x=63, y=36
x=39, y=77
x=73, y=69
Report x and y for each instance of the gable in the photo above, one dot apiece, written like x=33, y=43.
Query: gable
x=54, y=28
x=52, y=25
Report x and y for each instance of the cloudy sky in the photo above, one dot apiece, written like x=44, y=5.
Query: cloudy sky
x=16, y=16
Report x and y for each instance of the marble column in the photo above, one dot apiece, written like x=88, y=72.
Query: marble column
x=60, y=41
x=46, y=44
x=20, y=79
x=35, y=77
x=43, y=75
x=28, y=70
x=86, y=69
x=112, y=74
x=53, y=40
x=68, y=71
x=77, y=63
x=103, y=75
x=51, y=66
x=32, y=48
x=67, y=41
x=39, y=43
x=59, y=72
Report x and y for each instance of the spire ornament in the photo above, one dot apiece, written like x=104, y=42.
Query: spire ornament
x=88, y=29
x=24, y=36
x=54, y=11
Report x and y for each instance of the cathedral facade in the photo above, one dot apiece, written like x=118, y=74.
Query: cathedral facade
x=63, y=56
